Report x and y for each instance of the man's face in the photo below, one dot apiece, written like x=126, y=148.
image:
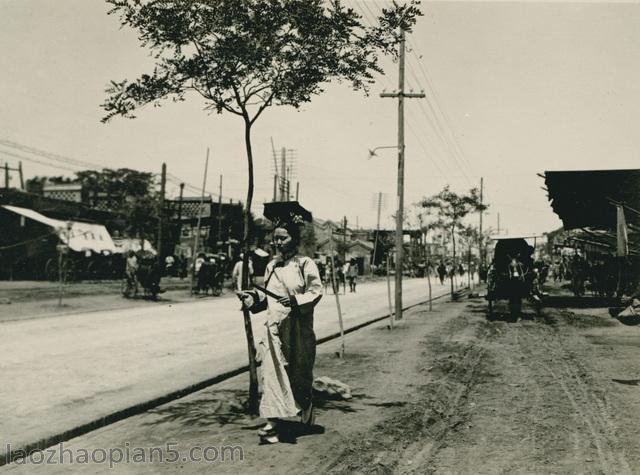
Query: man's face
x=282, y=240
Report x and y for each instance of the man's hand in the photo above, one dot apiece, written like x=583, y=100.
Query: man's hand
x=247, y=298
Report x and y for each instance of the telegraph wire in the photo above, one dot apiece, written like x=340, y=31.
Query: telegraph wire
x=45, y=154
x=47, y=164
x=437, y=128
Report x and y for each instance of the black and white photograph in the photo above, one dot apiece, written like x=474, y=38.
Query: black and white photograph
x=320, y=236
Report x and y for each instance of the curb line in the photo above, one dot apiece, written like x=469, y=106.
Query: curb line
x=136, y=409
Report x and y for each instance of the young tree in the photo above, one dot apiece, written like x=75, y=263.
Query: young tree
x=242, y=56
x=449, y=209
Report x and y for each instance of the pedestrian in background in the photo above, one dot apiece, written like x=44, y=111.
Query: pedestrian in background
x=352, y=274
x=442, y=272
x=236, y=274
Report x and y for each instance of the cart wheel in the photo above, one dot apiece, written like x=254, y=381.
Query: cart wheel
x=124, y=288
x=51, y=269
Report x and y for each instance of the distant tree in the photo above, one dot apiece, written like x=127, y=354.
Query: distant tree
x=449, y=208
x=118, y=183
x=242, y=56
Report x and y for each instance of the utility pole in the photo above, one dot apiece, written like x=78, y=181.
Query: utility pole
x=283, y=174
x=275, y=187
x=375, y=238
x=195, y=240
x=498, y=224
x=219, y=213
x=180, y=212
x=163, y=185
x=297, y=190
x=6, y=175
x=480, y=236
x=400, y=213
x=344, y=240
x=21, y=176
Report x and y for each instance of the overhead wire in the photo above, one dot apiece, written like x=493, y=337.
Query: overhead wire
x=46, y=154
x=442, y=137
x=47, y=164
x=455, y=149
x=437, y=102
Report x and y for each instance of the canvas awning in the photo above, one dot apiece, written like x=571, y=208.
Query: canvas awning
x=587, y=198
x=124, y=245
x=78, y=236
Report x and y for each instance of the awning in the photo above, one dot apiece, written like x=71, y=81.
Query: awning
x=78, y=236
x=599, y=241
x=587, y=198
x=124, y=245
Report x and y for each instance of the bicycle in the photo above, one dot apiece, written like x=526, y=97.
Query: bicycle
x=129, y=286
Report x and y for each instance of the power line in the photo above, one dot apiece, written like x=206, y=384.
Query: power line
x=455, y=147
x=438, y=130
x=29, y=159
x=46, y=154
x=437, y=102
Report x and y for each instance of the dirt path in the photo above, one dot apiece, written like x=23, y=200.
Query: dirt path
x=528, y=397
x=446, y=392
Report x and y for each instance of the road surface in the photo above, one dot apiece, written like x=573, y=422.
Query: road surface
x=69, y=370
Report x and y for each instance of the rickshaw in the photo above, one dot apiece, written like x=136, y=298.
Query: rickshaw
x=512, y=276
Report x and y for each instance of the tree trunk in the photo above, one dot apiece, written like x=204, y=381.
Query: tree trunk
x=253, y=374
x=453, y=263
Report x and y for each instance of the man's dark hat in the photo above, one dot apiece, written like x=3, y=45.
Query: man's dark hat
x=280, y=212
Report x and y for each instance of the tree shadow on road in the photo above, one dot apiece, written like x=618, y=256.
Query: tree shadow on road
x=215, y=407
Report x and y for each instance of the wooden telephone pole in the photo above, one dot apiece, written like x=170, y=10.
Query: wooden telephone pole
x=283, y=175
x=197, y=236
x=400, y=95
x=163, y=186
x=7, y=174
x=344, y=240
x=480, y=236
x=219, y=214
x=375, y=238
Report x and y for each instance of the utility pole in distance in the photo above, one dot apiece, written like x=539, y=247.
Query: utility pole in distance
x=344, y=240
x=21, y=176
x=180, y=212
x=480, y=236
x=283, y=175
x=163, y=185
x=375, y=238
x=400, y=212
x=219, y=214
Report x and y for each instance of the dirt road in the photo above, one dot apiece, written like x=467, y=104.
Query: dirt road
x=445, y=392
x=66, y=371
x=552, y=395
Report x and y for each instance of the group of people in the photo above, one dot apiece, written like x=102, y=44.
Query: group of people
x=600, y=274
x=345, y=273
x=176, y=266
x=210, y=272
x=448, y=270
x=142, y=268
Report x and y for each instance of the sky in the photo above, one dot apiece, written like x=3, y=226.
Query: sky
x=512, y=89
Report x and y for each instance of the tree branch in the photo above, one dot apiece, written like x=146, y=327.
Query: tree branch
x=262, y=108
